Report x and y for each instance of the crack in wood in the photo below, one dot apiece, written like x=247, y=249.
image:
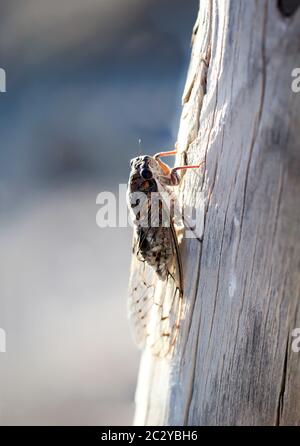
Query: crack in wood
x=260, y=111
x=282, y=386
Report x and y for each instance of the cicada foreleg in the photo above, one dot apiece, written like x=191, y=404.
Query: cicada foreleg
x=175, y=180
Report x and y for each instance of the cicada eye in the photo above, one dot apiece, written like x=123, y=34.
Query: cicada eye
x=146, y=174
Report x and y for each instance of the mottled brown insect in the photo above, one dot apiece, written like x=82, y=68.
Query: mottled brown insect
x=156, y=283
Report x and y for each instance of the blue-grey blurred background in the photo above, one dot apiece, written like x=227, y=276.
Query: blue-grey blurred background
x=85, y=81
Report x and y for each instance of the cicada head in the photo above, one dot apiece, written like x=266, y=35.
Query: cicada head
x=143, y=175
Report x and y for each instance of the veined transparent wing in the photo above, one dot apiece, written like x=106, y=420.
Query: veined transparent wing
x=155, y=305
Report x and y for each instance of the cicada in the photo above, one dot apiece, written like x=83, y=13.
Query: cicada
x=156, y=283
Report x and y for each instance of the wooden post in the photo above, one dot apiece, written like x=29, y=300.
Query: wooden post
x=234, y=364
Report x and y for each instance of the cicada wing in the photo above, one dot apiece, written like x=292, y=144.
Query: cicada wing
x=141, y=296
x=155, y=305
x=168, y=306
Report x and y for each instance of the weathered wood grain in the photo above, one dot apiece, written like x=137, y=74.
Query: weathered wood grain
x=234, y=364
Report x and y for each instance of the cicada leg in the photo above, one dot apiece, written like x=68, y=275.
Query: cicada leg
x=172, y=172
x=166, y=169
x=174, y=179
x=168, y=153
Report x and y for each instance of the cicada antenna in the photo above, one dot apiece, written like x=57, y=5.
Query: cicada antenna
x=140, y=146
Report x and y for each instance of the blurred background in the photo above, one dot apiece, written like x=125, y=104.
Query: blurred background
x=85, y=81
